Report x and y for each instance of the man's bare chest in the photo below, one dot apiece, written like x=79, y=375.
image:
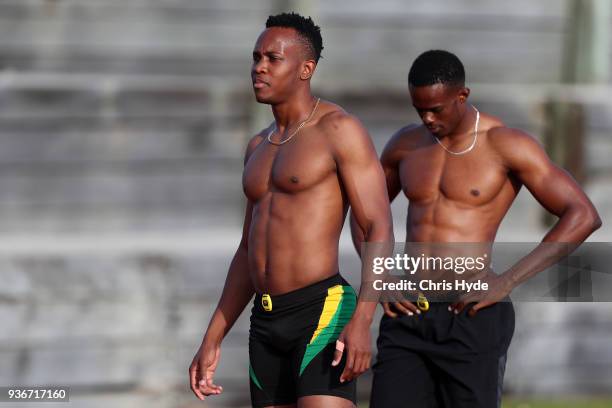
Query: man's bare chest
x=471, y=179
x=290, y=168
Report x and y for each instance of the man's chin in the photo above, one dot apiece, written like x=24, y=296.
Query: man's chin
x=263, y=99
x=439, y=133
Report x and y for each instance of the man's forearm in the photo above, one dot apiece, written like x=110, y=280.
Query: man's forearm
x=357, y=233
x=566, y=235
x=237, y=292
x=380, y=242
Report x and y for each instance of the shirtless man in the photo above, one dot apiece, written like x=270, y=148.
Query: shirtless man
x=461, y=170
x=300, y=176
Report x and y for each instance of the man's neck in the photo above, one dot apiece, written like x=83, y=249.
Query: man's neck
x=466, y=126
x=294, y=110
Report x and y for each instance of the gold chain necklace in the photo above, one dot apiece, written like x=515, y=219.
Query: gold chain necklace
x=473, y=142
x=296, y=130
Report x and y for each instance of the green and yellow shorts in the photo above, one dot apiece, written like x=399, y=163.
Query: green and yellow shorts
x=292, y=342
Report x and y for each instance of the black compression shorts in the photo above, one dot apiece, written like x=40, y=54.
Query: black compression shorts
x=292, y=342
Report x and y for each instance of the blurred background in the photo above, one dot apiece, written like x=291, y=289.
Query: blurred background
x=122, y=131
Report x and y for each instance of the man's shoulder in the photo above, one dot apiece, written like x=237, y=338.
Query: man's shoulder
x=505, y=139
x=256, y=140
x=406, y=136
x=341, y=129
x=405, y=139
x=336, y=122
x=515, y=147
x=344, y=133
x=261, y=135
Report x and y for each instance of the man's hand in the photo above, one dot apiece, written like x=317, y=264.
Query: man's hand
x=394, y=302
x=355, y=338
x=498, y=289
x=403, y=306
x=202, y=371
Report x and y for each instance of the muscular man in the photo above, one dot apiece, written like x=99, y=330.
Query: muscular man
x=300, y=176
x=461, y=170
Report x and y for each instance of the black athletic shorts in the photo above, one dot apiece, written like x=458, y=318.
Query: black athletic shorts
x=439, y=359
x=292, y=342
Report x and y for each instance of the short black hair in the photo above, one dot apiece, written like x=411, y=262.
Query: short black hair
x=308, y=31
x=437, y=67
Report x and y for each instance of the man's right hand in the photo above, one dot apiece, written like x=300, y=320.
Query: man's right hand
x=406, y=307
x=202, y=371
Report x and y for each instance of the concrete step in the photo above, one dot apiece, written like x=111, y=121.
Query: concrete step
x=114, y=315
x=190, y=198
x=167, y=38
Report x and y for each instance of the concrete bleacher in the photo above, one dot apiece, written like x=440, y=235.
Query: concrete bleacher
x=110, y=110
x=122, y=129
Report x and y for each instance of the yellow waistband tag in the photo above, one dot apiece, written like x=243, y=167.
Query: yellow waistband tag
x=266, y=302
x=422, y=302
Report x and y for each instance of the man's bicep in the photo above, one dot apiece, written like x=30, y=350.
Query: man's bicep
x=554, y=190
x=367, y=195
x=364, y=181
x=550, y=185
x=392, y=179
x=391, y=158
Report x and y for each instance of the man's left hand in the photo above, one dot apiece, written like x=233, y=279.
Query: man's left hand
x=355, y=339
x=498, y=289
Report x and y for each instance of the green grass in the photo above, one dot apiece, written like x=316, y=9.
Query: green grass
x=569, y=402
x=557, y=403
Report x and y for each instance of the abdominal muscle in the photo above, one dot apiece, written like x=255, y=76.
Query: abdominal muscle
x=445, y=220
x=293, y=240
x=450, y=232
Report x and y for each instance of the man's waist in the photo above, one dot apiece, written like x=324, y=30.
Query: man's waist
x=306, y=294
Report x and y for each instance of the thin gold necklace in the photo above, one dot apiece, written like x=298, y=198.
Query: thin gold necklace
x=473, y=142
x=296, y=130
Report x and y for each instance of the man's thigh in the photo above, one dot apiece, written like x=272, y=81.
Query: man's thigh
x=318, y=401
x=472, y=383
x=402, y=378
x=271, y=376
x=320, y=379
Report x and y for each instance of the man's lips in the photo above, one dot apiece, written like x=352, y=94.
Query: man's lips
x=259, y=84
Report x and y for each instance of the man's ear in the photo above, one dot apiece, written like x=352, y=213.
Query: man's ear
x=308, y=68
x=464, y=93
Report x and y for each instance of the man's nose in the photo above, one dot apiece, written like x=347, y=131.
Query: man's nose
x=260, y=67
x=428, y=118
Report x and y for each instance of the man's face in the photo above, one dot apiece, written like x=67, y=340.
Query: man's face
x=439, y=106
x=278, y=64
